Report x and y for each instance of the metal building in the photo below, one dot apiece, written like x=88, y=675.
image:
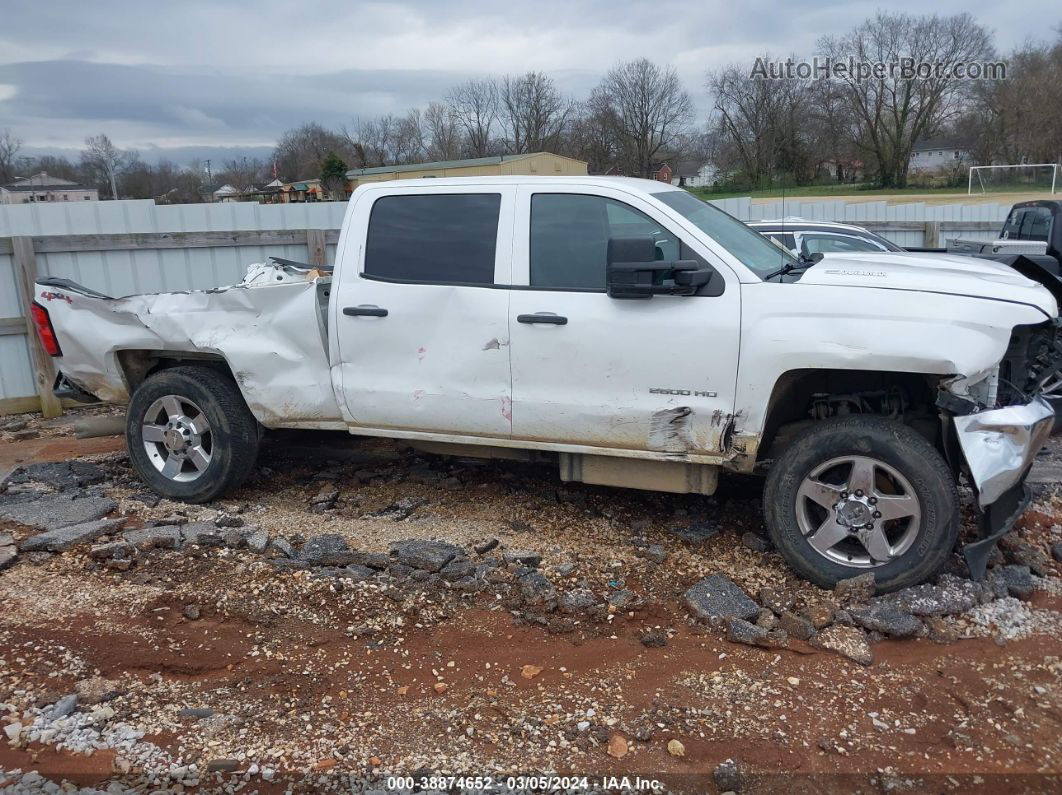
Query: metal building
x=540, y=163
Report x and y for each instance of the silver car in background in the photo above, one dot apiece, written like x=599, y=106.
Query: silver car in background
x=804, y=237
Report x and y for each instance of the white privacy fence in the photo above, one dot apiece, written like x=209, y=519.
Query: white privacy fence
x=126, y=247
x=896, y=222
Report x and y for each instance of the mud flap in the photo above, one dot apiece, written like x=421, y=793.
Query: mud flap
x=994, y=522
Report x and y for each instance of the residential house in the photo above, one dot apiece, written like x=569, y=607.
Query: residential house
x=663, y=173
x=695, y=174
x=218, y=192
x=43, y=187
x=271, y=193
x=306, y=190
x=938, y=154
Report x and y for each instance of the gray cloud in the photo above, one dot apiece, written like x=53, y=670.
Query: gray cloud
x=207, y=73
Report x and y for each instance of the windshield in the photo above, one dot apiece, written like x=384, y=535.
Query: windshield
x=753, y=250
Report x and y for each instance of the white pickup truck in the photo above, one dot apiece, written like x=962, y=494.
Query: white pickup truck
x=620, y=328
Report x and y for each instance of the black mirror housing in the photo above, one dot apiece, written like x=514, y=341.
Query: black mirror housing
x=631, y=249
x=634, y=272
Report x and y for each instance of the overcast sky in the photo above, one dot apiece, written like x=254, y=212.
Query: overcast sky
x=217, y=72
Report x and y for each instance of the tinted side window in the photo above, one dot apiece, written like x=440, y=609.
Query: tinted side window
x=1012, y=226
x=569, y=238
x=1037, y=224
x=448, y=238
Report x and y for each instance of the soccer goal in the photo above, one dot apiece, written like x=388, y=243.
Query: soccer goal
x=1023, y=178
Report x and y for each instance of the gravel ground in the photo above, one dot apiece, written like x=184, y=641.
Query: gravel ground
x=359, y=611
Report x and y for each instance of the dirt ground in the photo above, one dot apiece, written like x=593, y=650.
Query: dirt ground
x=218, y=669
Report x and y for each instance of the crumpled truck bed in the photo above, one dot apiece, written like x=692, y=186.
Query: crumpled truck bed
x=271, y=329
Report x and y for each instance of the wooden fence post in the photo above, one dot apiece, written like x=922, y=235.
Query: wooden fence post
x=315, y=241
x=932, y=235
x=43, y=369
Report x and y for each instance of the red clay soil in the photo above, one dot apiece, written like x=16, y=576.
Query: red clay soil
x=60, y=448
x=330, y=680
x=797, y=733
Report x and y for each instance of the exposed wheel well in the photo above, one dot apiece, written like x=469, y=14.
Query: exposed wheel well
x=137, y=365
x=801, y=397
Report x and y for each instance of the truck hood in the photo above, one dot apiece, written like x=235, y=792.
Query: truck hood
x=931, y=273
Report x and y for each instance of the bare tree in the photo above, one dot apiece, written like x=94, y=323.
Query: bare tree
x=407, y=144
x=374, y=137
x=1018, y=119
x=54, y=166
x=748, y=112
x=102, y=158
x=594, y=135
x=243, y=173
x=9, y=148
x=826, y=121
x=893, y=112
x=389, y=140
x=475, y=106
x=534, y=112
x=300, y=152
x=442, y=131
x=651, y=110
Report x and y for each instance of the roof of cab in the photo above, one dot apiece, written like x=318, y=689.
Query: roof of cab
x=630, y=183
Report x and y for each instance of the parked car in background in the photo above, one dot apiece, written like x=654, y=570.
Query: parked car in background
x=822, y=237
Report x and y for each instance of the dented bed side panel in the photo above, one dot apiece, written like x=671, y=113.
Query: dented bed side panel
x=273, y=339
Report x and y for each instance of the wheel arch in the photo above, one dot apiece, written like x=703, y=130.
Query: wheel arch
x=138, y=364
x=791, y=406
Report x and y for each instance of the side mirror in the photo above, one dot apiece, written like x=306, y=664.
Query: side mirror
x=633, y=271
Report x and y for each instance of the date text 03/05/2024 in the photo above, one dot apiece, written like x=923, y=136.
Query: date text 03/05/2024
x=528, y=783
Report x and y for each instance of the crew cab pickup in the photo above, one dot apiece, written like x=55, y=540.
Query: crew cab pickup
x=621, y=329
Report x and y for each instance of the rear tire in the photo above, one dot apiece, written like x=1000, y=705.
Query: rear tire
x=190, y=434
x=861, y=494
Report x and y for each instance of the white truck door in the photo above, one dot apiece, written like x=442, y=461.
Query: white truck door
x=654, y=374
x=421, y=322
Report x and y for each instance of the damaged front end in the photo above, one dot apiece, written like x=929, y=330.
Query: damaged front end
x=1000, y=420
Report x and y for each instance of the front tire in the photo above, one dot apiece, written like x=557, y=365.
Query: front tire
x=190, y=434
x=861, y=493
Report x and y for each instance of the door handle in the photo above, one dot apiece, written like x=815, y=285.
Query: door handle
x=365, y=311
x=543, y=317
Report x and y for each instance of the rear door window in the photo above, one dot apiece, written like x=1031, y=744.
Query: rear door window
x=433, y=238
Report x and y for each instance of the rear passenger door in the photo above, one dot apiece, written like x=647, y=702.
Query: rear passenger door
x=422, y=325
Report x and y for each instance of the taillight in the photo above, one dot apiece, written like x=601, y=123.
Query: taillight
x=45, y=330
